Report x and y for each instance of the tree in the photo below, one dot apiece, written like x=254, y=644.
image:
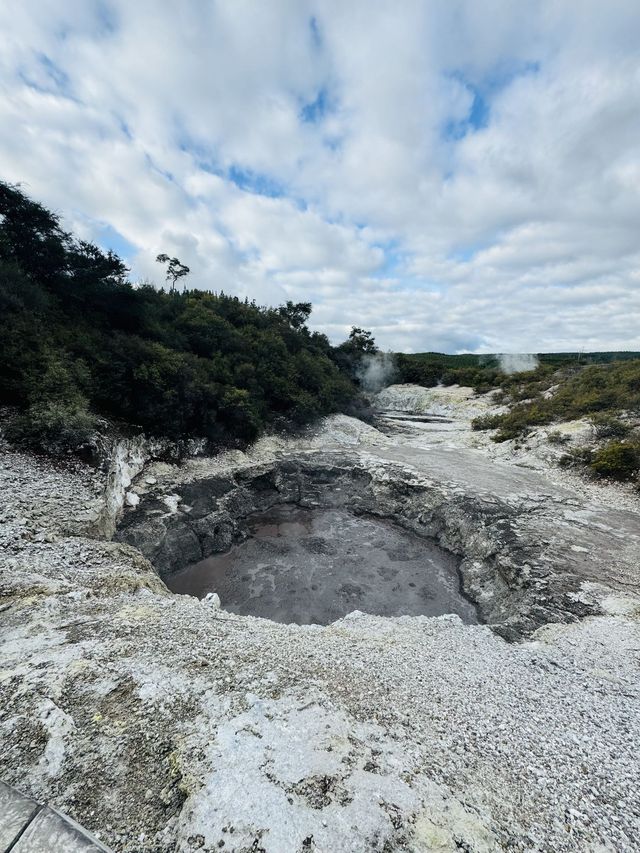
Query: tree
x=175, y=269
x=350, y=355
x=361, y=341
x=31, y=236
x=89, y=264
x=296, y=314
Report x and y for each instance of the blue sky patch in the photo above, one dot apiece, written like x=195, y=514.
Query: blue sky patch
x=255, y=182
x=124, y=127
x=479, y=115
x=314, y=111
x=109, y=239
x=248, y=180
x=466, y=253
x=394, y=259
x=106, y=17
x=155, y=168
x=482, y=93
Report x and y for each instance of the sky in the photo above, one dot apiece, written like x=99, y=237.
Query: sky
x=455, y=175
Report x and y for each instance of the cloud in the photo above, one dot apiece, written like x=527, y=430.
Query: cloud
x=452, y=176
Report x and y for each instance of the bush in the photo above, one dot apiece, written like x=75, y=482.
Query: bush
x=485, y=422
x=618, y=460
x=601, y=391
x=557, y=437
x=53, y=426
x=499, y=397
x=577, y=456
x=607, y=426
x=57, y=418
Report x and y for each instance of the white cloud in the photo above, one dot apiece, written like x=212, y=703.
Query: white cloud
x=452, y=175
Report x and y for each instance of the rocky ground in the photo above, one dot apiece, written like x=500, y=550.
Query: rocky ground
x=451, y=409
x=164, y=724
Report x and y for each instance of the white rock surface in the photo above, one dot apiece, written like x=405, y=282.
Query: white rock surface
x=128, y=458
x=170, y=726
x=454, y=401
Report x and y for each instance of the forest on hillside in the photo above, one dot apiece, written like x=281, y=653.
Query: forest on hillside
x=80, y=341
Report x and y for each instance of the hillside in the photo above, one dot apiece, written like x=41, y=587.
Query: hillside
x=79, y=340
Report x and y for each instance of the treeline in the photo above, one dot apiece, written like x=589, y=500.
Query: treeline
x=78, y=340
x=434, y=368
x=483, y=372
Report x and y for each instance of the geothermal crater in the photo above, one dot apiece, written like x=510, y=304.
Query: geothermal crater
x=211, y=534
x=367, y=734
x=519, y=554
x=313, y=566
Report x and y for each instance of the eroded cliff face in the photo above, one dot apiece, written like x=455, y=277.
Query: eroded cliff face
x=165, y=724
x=123, y=459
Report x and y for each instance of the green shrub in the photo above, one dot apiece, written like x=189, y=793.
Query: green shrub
x=508, y=433
x=53, y=426
x=485, y=422
x=618, y=460
x=607, y=426
x=601, y=391
x=557, y=437
x=57, y=418
x=577, y=456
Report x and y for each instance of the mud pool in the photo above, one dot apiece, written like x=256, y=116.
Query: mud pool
x=315, y=566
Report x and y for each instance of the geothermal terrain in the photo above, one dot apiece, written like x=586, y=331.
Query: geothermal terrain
x=399, y=637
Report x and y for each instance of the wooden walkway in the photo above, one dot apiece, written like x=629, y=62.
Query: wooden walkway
x=28, y=827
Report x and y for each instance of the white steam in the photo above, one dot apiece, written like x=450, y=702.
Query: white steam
x=517, y=362
x=376, y=372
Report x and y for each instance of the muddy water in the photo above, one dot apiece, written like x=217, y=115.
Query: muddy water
x=315, y=566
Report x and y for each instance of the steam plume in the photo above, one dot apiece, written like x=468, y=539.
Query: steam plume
x=376, y=371
x=517, y=362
